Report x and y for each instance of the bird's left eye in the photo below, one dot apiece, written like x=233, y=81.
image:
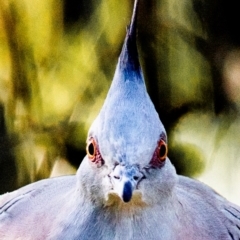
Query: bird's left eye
x=162, y=150
x=160, y=154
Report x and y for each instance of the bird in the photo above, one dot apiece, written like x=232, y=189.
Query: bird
x=126, y=186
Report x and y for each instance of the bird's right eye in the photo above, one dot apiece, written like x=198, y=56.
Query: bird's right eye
x=93, y=153
x=91, y=149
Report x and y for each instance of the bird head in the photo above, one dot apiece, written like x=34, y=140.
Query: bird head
x=127, y=144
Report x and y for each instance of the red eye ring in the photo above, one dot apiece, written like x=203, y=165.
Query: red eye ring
x=160, y=154
x=162, y=151
x=91, y=149
x=93, y=153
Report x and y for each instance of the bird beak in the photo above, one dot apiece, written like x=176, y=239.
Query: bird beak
x=124, y=189
x=124, y=181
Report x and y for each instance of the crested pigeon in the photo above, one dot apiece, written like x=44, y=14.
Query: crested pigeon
x=126, y=186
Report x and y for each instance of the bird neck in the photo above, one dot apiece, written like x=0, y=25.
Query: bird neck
x=118, y=221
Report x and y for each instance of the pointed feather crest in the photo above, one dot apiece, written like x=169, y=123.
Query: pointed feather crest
x=128, y=60
x=128, y=113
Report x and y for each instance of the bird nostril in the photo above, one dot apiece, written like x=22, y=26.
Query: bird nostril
x=135, y=178
x=116, y=177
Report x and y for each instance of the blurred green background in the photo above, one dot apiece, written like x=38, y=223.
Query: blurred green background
x=57, y=60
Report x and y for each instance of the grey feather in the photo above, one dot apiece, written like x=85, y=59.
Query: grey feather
x=126, y=187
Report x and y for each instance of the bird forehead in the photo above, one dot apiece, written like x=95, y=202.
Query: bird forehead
x=130, y=133
x=129, y=110
x=128, y=126
x=127, y=169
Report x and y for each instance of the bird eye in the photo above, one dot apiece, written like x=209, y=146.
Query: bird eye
x=93, y=153
x=159, y=155
x=162, y=150
x=91, y=149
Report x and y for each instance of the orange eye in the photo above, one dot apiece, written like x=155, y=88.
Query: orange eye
x=93, y=153
x=91, y=149
x=160, y=154
x=162, y=150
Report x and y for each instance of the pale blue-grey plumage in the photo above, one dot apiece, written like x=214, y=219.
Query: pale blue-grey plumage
x=123, y=193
